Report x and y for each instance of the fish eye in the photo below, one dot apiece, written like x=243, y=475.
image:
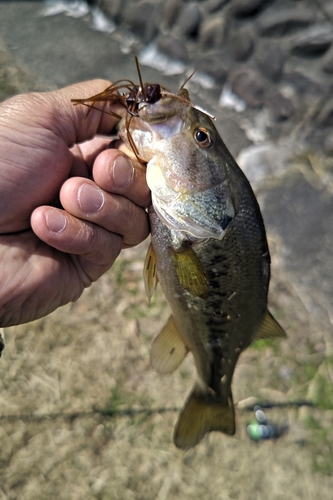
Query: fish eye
x=202, y=138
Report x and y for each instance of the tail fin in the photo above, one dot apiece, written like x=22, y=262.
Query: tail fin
x=202, y=414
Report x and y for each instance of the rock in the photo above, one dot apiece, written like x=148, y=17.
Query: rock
x=281, y=106
x=327, y=64
x=112, y=8
x=262, y=162
x=282, y=21
x=301, y=215
x=212, y=33
x=142, y=20
x=241, y=45
x=248, y=86
x=328, y=144
x=328, y=9
x=325, y=117
x=246, y=8
x=171, y=11
x=173, y=48
x=303, y=85
x=313, y=42
x=211, y=65
x=215, y=5
x=189, y=21
x=272, y=62
x=233, y=136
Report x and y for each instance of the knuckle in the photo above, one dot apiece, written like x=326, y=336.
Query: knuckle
x=89, y=234
x=137, y=228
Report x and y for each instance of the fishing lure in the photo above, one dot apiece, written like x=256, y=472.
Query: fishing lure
x=133, y=98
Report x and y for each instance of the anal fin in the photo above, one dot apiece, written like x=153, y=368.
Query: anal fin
x=2, y=341
x=150, y=272
x=168, y=349
x=202, y=414
x=270, y=328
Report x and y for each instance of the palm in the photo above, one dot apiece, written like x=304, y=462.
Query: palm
x=36, y=157
x=41, y=278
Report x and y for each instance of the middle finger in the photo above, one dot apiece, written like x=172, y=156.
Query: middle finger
x=113, y=171
x=85, y=200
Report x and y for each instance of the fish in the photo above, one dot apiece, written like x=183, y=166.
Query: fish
x=208, y=251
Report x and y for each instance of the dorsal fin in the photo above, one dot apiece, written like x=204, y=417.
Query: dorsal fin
x=168, y=349
x=269, y=328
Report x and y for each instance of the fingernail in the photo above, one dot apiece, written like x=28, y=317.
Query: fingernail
x=122, y=172
x=90, y=199
x=56, y=221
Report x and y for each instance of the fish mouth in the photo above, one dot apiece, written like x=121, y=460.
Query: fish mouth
x=167, y=127
x=163, y=111
x=147, y=135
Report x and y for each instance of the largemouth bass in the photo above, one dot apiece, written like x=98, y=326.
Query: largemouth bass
x=208, y=251
x=208, y=248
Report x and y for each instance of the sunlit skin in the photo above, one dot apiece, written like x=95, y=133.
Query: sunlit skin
x=68, y=205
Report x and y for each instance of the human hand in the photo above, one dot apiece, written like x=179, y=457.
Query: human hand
x=49, y=255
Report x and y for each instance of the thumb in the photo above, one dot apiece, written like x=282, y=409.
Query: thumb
x=36, y=132
x=76, y=123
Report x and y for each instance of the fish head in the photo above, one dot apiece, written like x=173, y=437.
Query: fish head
x=187, y=171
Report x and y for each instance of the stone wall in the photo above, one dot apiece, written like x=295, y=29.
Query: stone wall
x=275, y=55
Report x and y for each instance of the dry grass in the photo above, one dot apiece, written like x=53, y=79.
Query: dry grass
x=94, y=354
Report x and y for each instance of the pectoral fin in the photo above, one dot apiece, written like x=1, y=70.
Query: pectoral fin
x=270, y=328
x=190, y=272
x=149, y=272
x=168, y=349
x=202, y=414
